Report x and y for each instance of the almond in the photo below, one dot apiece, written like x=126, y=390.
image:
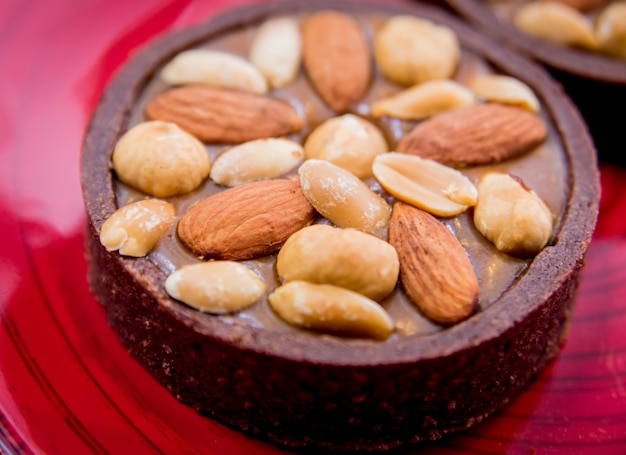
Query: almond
x=434, y=269
x=218, y=115
x=336, y=57
x=475, y=135
x=245, y=221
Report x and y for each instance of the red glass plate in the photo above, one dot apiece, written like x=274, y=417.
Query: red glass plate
x=66, y=384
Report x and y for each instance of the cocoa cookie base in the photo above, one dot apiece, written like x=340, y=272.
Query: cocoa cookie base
x=302, y=390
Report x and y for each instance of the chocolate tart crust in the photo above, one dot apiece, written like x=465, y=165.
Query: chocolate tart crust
x=322, y=391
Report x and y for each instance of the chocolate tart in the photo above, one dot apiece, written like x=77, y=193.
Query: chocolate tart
x=593, y=80
x=300, y=389
x=582, y=63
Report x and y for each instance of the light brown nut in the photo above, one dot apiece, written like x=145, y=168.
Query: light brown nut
x=347, y=258
x=410, y=50
x=336, y=57
x=160, y=159
x=136, y=228
x=214, y=68
x=216, y=287
x=224, y=116
x=342, y=198
x=424, y=100
x=426, y=184
x=610, y=30
x=246, y=221
x=277, y=50
x=474, y=135
x=347, y=141
x=512, y=216
x=434, y=269
x=331, y=309
x=261, y=159
x=555, y=22
x=504, y=89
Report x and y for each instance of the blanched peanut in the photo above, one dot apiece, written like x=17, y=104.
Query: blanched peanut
x=424, y=183
x=504, y=89
x=424, y=100
x=343, y=257
x=331, y=309
x=610, y=30
x=277, y=50
x=216, y=287
x=347, y=141
x=215, y=68
x=342, y=198
x=555, y=22
x=160, y=159
x=409, y=50
x=136, y=228
x=261, y=159
x=512, y=216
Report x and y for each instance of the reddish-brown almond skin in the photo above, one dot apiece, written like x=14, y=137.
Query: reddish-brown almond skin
x=336, y=57
x=475, y=135
x=246, y=221
x=434, y=268
x=224, y=116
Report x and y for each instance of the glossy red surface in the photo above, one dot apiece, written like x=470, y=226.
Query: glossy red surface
x=66, y=384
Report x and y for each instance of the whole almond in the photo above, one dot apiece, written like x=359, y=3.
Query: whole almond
x=475, y=135
x=434, y=269
x=224, y=116
x=336, y=57
x=246, y=221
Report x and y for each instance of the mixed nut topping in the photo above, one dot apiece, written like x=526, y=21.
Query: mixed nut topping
x=347, y=212
x=593, y=25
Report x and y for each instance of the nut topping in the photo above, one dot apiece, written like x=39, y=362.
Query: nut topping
x=277, y=50
x=331, y=309
x=160, y=159
x=474, y=135
x=424, y=100
x=136, y=228
x=223, y=116
x=245, y=221
x=555, y=22
x=426, y=184
x=216, y=287
x=409, y=50
x=347, y=258
x=504, y=89
x=347, y=141
x=610, y=30
x=262, y=159
x=214, y=68
x=512, y=216
x=434, y=269
x=336, y=57
x=342, y=198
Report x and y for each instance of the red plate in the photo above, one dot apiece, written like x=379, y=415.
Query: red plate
x=66, y=384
